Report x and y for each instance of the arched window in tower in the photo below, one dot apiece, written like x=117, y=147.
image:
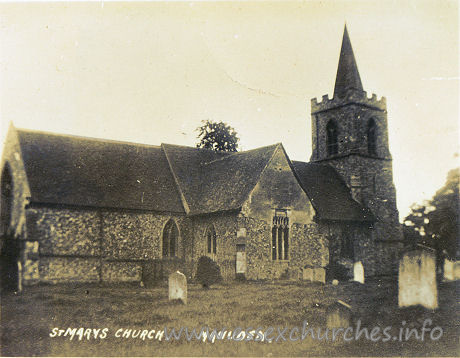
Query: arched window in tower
x=332, y=142
x=6, y=200
x=211, y=239
x=371, y=137
x=170, y=238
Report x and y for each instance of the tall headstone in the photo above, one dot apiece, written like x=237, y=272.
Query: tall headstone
x=449, y=270
x=358, y=272
x=417, y=279
x=178, y=287
x=339, y=315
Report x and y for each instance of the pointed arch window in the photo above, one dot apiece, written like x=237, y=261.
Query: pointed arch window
x=6, y=200
x=211, y=239
x=371, y=137
x=332, y=135
x=170, y=238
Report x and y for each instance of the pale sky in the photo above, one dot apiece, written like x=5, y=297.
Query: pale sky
x=151, y=72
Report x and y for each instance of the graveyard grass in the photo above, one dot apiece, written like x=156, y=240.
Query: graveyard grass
x=28, y=318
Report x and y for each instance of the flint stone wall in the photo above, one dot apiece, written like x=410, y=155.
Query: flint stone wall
x=306, y=247
x=78, y=245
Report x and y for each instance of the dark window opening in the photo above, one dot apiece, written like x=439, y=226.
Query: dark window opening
x=347, y=247
x=332, y=142
x=170, y=236
x=371, y=137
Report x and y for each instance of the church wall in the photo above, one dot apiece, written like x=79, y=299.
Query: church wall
x=278, y=189
x=361, y=236
x=92, y=245
x=351, y=121
x=308, y=247
x=225, y=225
x=376, y=190
x=12, y=158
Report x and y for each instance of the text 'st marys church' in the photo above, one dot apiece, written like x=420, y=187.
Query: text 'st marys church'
x=77, y=209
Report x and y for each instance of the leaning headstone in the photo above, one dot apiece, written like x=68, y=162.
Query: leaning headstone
x=417, y=279
x=319, y=275
x=449, y=270
x=339, y=315
x=178, y=287
x=358, y=272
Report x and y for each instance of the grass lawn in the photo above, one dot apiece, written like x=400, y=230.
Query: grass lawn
x=27, y=319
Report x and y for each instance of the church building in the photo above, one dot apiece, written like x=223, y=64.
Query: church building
x=77, y=209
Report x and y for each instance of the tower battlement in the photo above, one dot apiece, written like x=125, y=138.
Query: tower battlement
x=351, y=97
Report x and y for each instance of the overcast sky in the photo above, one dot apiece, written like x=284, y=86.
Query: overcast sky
x=151, y=72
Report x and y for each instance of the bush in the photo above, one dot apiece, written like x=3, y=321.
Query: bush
x=208, y=272
x=338, y=272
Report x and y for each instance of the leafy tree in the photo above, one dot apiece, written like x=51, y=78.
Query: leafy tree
x=217, y=136
x=435, y=223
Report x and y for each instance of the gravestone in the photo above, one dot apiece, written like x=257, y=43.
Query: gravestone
x=307, y=274
x=314, y=274
x=319, y=275
x=241, y=262
x=178, y=287
x=339, y=315
x=335, y=282
x=19, y=276
x=449, y=270
x=417, y=279
x=358, y=272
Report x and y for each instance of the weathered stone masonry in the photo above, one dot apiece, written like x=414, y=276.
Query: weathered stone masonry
x=96, y=245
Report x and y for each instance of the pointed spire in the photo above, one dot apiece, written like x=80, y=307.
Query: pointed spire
x=347, y=71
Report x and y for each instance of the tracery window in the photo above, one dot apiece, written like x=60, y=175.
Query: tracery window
x=280, y=236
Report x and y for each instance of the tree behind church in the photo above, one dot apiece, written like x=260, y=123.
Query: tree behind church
x=435, y=223
x=217, y=136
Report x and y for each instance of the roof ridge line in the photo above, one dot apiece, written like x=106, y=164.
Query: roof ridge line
x=235, y=153
x=94, y=139
x=176, y=180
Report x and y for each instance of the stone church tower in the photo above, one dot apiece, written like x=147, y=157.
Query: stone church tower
x=350, y=133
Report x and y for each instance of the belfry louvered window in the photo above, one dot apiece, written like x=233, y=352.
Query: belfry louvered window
x=280, y=236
